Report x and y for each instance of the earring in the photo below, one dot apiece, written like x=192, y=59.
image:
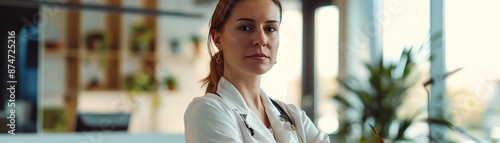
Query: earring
x=218, y=60
x=275, y=62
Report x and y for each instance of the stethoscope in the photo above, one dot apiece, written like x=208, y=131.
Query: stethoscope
x=283, y=115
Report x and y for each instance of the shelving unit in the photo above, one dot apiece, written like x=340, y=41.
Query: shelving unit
x=76, y=54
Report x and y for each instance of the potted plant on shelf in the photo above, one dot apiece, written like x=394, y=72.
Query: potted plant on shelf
x=197, y=44
x=95, y=60
x=171, y=82
x=175, y=46
x=142, y=83
x=96, y=40
x=141, y=38
x=53, y=45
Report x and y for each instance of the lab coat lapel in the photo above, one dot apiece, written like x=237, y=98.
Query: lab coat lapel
x=282, y=130
x=260, y=130
x=234, y=100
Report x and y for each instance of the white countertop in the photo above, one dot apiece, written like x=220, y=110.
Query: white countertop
x=93, y=137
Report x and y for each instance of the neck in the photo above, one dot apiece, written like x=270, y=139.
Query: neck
x=248, y=86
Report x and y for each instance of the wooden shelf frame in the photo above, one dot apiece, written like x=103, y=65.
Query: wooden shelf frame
x=74, y=54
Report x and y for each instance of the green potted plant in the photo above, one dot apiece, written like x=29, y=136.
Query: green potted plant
x=171, y=82
x=96, y=40
x=197, y=44
x=141, y=38
x=387, y=87
x=54, y=119
x=175, y=45
x=140, y=82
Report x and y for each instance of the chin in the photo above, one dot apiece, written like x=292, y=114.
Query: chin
x=259, y=70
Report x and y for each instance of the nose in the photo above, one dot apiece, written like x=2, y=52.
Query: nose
x=259, y=38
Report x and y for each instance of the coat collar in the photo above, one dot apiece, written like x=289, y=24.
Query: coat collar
x=232, y=96
x=234, y=100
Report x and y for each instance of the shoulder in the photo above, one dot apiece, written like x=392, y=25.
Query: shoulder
x=204, y=105
x=206, y=111
x=206, y=120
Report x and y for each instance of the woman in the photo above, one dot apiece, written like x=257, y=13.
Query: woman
x=234, y=108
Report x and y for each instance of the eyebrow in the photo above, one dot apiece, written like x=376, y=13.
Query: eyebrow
x=251, y=20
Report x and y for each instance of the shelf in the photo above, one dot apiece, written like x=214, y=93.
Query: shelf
x=112, y=54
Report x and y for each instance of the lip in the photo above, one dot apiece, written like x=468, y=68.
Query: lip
x=258, y=56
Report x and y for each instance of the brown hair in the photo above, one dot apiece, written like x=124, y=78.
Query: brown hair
x=222, y=12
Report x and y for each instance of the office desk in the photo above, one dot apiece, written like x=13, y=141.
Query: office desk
x=92, y=137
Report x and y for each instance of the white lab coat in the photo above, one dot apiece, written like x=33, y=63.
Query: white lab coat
x=211, y=119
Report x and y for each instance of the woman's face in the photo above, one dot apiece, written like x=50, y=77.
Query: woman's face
x=250, y=37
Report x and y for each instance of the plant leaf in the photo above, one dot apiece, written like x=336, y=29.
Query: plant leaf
x=441, y=122
x=342, y=100
x=379, y=139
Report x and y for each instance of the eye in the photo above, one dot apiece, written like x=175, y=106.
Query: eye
x=245, y=28
x=271, y=29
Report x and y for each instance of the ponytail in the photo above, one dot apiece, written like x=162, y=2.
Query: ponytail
x=216, y=71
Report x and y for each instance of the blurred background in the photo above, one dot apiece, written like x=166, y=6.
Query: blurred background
x=125, y=70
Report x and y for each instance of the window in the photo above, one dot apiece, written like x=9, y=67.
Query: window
x=471, y=41
x=327, y=51
x=283, y=81
x=405, y=24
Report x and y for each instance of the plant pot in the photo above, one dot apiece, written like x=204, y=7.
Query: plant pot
x=171, y=87
x=197, y=49
x=175, y=46
x=53, y=45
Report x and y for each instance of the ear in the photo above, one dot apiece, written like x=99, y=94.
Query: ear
x=216, y=38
